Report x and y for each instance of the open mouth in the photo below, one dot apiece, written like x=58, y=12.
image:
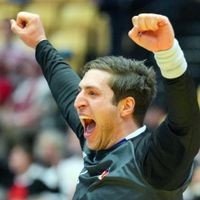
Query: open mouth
x=89, y=125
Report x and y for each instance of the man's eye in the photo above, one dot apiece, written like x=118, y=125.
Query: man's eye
x=92, y=93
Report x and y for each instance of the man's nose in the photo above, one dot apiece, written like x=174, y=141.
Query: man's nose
x=80, y=101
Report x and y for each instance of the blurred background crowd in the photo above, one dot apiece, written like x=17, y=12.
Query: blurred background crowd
x=40, y=157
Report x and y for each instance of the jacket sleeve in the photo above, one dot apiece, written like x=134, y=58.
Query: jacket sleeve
x=168, y=153
x=63, y=83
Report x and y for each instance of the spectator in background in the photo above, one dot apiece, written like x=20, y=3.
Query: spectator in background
x=21, y=177
x=22, y=165
x=63, y=165
x=31, y=105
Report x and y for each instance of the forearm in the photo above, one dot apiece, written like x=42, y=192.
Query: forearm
x=180, y=90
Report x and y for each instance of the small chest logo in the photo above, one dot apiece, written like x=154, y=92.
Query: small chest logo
x=103, y=174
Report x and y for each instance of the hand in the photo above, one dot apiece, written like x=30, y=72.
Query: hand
x=29, y=28
x=152, y=31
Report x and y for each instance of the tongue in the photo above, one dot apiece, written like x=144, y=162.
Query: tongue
x=90, y=127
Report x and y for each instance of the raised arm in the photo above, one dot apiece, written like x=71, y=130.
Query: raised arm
x=174, y=145
x=62, y=81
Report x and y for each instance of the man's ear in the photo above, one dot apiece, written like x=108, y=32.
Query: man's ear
x=127, y=106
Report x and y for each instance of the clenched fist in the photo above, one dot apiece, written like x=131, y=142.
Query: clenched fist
x=152, y=31
x=29, y=28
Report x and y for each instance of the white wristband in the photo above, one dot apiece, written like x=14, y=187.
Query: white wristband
x=171, y=62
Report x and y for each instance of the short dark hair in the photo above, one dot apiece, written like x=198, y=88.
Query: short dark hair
x=129, y=78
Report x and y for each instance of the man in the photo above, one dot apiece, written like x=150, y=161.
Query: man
x=105, y=109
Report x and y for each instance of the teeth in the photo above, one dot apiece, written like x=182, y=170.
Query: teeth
x=84, y=117
x=86, y=120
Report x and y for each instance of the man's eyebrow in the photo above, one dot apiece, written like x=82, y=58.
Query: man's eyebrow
x=87, y=87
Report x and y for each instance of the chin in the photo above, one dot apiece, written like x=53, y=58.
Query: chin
x=93, y=147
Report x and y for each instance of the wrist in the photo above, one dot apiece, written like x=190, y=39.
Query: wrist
x=171, y=62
